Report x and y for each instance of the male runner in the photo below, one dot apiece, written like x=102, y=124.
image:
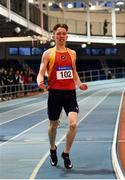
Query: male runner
x=62, y=80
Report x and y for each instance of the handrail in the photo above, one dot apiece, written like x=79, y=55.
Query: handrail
x=102, y=74
x=12, y=91
x=17, y=90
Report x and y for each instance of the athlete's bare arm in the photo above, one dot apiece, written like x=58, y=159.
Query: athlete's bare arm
x=78, y=82
x=43, y=67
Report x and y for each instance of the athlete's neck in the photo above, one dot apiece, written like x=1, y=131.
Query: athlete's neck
x=61, y=48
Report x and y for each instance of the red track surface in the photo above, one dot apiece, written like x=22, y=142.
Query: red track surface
x=121, y=136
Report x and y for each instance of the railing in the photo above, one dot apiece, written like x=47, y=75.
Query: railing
x=20, y=7
x=14, y=91
x=3, y=2
x=103, y=74
x=79, y=27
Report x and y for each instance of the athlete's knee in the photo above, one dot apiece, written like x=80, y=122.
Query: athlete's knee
x=53, y=125
x=73, y=121
x=73, y=126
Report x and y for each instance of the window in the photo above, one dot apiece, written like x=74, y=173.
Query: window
x=111, y=51
x=13, y=51
x=97, y=51
x=25, y=51
x=37, y=51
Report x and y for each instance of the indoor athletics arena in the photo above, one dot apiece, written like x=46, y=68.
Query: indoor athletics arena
x=97, y=34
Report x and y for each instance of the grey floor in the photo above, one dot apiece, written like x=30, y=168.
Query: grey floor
x=24, y=146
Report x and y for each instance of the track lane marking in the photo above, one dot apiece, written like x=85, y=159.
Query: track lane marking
x=44, y=107
x=22, y=107
x=115, y=162
x=23, y=115
x=40, y=163
x=23, y=132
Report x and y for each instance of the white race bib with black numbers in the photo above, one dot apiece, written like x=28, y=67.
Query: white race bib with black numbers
x=64, y=72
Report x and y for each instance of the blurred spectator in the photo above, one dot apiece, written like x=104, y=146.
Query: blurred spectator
x=109, y=76
x=1, y=83
x=105, y=27
x=5, y=88
x=11, y=87
x=26, y=82
x=13, y=82
x=16, y=81
x=21, y=79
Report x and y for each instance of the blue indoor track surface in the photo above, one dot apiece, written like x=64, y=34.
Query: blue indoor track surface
x=24, y=145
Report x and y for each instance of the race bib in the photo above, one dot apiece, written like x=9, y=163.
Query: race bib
x=64, y=72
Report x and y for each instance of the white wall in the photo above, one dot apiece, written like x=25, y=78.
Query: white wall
x=76, y=22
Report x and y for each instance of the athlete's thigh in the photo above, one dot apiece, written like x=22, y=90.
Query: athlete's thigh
x=54, y=105
x=70, y=102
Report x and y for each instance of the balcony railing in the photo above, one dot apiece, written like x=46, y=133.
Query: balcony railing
x=103, y=74
x=15, y=91
x=80, y=27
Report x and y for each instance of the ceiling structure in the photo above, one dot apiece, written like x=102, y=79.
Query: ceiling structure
x=111, y=7
x=18, y=25
x=95, y=5
x=13, y=29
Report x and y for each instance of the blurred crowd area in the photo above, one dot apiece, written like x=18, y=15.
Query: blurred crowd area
x=15, y=81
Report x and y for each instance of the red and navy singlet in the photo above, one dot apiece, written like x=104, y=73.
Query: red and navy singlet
x=61, y=76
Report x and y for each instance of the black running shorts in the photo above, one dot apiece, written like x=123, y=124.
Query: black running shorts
x=58, y=99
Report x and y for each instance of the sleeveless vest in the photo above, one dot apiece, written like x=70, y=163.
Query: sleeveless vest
x=60, y=70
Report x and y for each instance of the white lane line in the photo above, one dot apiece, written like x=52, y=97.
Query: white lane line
x=21, y=100
x=45, y=157
x=45, y=106
x=35, y=171
x=23, y=143
x=38, y=166
x=23, y=115
x=121, y=141
x=115, y=161
x=95, y=141
x=45, y=142
x=9, y=141
x=17, y=101
x=23, y=107
x=32, y=105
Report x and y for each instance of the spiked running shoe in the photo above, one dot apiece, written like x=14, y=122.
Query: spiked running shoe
x=67, y=162
x=53, y=157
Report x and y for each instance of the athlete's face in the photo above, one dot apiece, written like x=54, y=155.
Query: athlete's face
x=60, y=35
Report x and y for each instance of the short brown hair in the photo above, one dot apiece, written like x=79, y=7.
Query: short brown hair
x=60, y=25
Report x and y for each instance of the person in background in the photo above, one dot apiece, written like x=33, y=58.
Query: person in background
x=109, y=75
x=105, y=27
x=26, y=82
x=60, y=63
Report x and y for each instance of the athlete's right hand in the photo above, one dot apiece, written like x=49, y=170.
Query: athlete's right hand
x=42, y=85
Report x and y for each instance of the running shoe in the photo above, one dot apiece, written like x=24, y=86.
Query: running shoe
x=53, y=157
x=67, y=162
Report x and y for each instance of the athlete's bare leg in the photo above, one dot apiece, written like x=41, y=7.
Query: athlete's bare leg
x=52, y=130
x=72, y=120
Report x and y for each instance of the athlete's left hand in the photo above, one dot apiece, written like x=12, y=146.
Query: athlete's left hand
x=83, y=87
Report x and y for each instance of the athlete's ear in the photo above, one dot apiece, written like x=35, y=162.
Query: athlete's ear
x=52, y=36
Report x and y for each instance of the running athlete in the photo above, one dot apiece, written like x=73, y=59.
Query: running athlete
x=63, y=78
